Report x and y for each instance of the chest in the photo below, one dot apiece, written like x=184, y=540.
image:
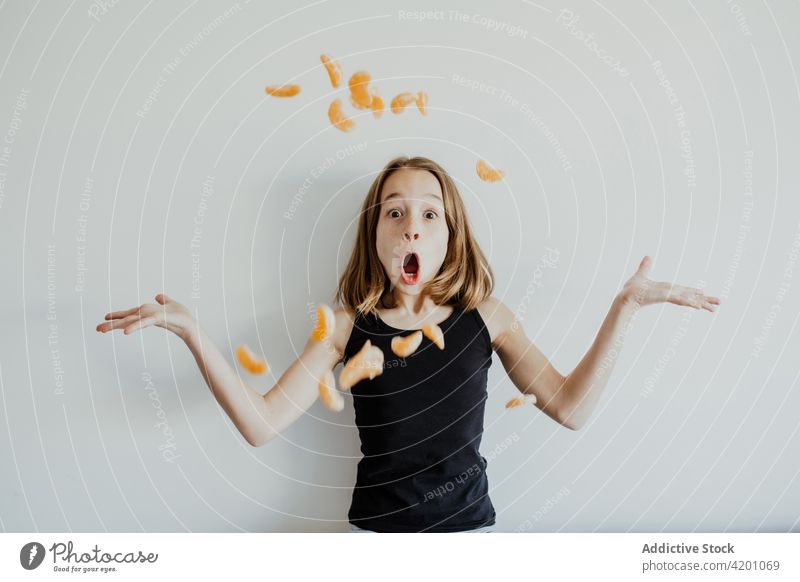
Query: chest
x=430, y=378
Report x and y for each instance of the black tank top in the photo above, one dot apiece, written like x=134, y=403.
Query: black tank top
x=420, y=424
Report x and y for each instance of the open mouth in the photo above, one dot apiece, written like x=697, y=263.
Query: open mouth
x=410, y=273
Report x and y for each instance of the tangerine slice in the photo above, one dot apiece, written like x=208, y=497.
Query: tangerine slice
x=359, y=93
x=422, y=102
x=328, y=393
x=405, y=346
x=520, y=400
x=367, y=363
x=326, y=323
x=488, y=174
x=250, y=361
x=283, y=90
x=400, y=101
x=337, y=117
x=377, y=105
x=434, y=333
x=333, y=68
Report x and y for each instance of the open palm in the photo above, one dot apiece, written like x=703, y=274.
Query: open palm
x=641, y=290
x=169, y=314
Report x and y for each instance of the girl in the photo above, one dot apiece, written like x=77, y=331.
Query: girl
x=415, y=262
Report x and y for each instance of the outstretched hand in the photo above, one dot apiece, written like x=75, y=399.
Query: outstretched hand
x=640, y=290
x=169, y=314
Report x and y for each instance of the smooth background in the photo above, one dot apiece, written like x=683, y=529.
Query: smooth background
x=697, y=429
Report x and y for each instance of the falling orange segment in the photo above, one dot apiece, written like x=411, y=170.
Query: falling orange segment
x=326, y=323
x=283, y=90
x=367, y=363
x=333, y=68
x=337, y=117
x=250, y=361
x=422, y=102
x=405, y=346
x=434, y=333
x=377, y=105
x=488, y=174
x=359, y=92
x=400, y=101
x=328, y=393
x=521, y=400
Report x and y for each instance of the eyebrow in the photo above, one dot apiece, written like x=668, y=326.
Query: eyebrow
x=395, y=194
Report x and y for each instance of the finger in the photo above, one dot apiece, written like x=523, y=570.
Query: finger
x=163, y=298
x=123, y=313
x=696, y=294
x=644, y=265
x=690, y=300
x=705, y=299
x=117, y=323
x=142, y=323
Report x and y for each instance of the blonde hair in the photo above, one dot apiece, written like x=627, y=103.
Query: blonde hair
x=465, y=280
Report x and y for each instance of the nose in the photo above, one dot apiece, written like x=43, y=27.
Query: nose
x=410, y=229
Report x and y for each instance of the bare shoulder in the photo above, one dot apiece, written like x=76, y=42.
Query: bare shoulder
x=498, y=318
x=344, y=325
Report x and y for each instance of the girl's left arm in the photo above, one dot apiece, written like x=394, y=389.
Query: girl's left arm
x=571, y=399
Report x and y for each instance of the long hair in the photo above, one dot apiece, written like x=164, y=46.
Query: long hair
x=465, y=279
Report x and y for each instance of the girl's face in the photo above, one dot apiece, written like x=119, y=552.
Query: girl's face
x=412, y=231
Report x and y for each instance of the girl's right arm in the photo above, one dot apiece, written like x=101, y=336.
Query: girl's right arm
x=259, y=418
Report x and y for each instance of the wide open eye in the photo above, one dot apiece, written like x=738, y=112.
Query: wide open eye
x=427, y=212
x=393, y=210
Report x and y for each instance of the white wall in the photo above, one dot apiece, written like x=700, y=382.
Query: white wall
x=697, y=428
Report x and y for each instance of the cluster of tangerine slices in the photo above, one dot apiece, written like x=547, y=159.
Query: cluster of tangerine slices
x=323, y=331
x=366, y=364
x=361, y=95
x=404, y=346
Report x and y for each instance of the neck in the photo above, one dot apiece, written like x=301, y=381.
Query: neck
x=413, y=305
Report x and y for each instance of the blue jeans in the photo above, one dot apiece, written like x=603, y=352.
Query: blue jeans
x=483, y=529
